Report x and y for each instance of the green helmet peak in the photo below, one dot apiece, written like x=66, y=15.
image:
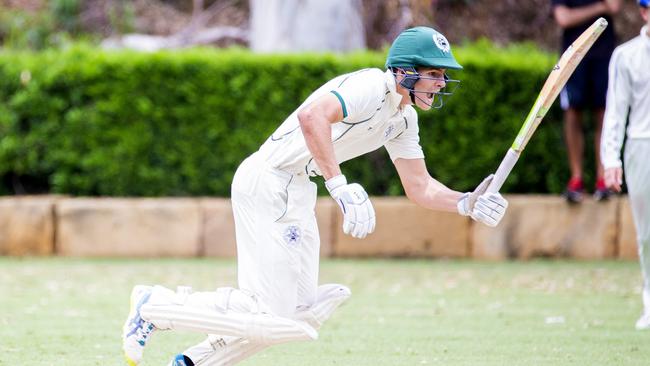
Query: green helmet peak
x=421, y=47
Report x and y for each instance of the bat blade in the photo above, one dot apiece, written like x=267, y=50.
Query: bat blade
x=558, y=76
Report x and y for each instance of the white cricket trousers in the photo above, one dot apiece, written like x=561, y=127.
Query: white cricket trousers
x=637, y=176
x=277, y=237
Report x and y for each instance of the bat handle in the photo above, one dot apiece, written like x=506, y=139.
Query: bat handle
x=503, y=171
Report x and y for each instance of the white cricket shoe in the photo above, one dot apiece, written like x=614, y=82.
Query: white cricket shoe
x=644, y=322
x=136, y=331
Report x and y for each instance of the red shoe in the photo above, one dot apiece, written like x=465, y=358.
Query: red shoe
x=574, y=190
x=601, y=193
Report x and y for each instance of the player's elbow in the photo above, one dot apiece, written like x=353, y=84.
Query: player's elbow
x=306, y=118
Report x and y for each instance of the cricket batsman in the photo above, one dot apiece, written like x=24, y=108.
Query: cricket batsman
x=273, y=199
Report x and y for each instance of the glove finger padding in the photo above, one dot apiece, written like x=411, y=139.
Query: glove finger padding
x=358, y=213
x=490, y=209
x=371, y=214
x=348, y=225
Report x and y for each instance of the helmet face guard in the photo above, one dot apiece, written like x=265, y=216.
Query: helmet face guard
x=410, y=79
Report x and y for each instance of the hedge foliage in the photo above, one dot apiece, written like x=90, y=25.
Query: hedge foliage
x=88, y=122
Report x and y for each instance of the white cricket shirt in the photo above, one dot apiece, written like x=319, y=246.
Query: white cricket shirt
x=372, y=118
x=628, y=91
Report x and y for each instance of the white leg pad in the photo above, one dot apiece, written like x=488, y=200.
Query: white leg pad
x=228, y=351
x=329, y=298
x=219, y=313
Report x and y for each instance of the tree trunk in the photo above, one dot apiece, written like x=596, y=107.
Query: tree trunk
x=306, y=25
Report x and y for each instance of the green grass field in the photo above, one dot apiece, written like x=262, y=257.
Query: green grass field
x=70, y=312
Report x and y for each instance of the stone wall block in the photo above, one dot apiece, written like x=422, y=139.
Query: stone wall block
x=407, y=230
x=326, y=211
x=218, y=228
x=27, y=225
x=546, y=226
x=128, y=227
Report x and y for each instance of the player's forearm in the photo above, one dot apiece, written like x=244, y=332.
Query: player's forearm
x=318, y=137
x=435, y=196
x=612, y=142
x=569, y=17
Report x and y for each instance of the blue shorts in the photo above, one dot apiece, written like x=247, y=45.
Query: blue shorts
x=587, y=87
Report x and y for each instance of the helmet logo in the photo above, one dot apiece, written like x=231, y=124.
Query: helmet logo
x=441, y=42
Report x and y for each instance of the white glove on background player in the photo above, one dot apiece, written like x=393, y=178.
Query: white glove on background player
x=358, y=213
x=487, y=208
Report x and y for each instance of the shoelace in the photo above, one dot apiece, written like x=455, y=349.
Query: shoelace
x=143, y=332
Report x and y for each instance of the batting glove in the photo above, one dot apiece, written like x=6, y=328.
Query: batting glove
x=358, y=213
x=488, y=208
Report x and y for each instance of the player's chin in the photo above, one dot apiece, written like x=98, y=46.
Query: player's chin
x=424, y=104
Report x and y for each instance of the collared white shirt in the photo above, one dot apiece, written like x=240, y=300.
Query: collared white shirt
x=372, y=118
x=628, y=91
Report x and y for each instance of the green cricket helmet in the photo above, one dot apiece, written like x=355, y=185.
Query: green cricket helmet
x=421, y=47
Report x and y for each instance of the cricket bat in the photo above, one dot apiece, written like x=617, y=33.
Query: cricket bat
x=554, y=83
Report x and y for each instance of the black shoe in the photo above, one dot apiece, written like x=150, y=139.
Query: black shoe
x=602, y=194
x=573, y=196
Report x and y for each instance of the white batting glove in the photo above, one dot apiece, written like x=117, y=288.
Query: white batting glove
x=358, y=213
x=488, y=208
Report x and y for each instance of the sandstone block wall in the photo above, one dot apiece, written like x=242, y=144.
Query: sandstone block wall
x=128, y=227
x=543, y=226
x=406, y=230
x=27, y=225
x=535, y=226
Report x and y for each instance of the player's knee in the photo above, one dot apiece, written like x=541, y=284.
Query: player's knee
x=333, y=290
x=329, y=298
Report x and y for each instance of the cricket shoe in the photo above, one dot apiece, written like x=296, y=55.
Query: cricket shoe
x=181, y=360
x=601, y=193
x=136, y=331
x=574, y=190
x=644, y=322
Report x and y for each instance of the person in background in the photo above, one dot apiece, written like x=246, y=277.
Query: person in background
x=585, y=90
x=628, y=97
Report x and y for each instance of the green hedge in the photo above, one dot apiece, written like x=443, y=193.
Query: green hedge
x=89, y=122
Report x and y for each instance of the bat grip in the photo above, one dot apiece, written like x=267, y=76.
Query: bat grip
x=503, y=171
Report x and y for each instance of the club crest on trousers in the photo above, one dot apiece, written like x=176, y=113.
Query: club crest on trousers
x=292, y=235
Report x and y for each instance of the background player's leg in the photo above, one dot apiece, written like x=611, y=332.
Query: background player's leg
x=574, y=141
x=573, y=101
x=637, y=176
x=600, y=67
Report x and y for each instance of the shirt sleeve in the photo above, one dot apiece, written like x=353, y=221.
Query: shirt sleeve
x=361, y=94
x=406, y=145
x=558, y=2
x=617, y=107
